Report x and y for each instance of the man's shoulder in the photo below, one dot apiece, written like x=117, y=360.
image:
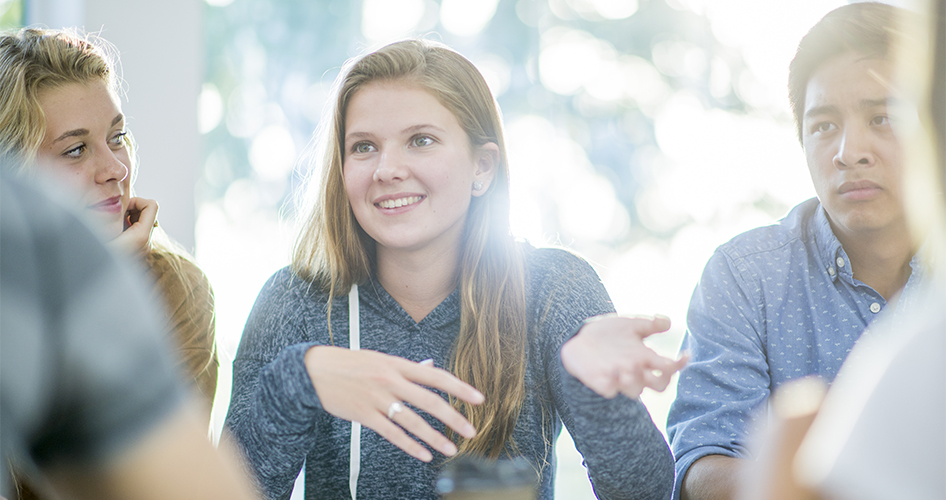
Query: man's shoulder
x=796, y=228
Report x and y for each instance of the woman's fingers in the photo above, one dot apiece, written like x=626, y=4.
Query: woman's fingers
x=632, y=384
x=642, y=326
x=416, y=425
x=364, y=386
x=655, y=373
x=434, y=405
x=390, y=431
x=438, y=378
x=608, y=355
x=147, y=211
x=140, y=221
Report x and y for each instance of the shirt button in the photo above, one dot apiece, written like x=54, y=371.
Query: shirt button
x=831, y=271
x=875, y=308
x=840, y=262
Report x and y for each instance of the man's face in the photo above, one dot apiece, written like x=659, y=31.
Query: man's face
x=854, y=157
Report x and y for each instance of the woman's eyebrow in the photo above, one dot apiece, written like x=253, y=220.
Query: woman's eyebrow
x=72, y=133
x=423, y=126
x=84, y=131
x=356, y=135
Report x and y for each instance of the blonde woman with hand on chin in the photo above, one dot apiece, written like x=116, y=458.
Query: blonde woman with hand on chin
x=411, y=327
x=61, y=117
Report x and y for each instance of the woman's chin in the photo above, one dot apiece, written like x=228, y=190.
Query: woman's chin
x=109, y=225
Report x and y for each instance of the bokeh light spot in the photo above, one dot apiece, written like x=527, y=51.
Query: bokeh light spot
x=387, y=19
x=273, y=153
x=465, y=17
x=209, y=108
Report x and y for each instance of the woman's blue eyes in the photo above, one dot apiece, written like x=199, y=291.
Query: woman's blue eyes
x=421, y=141
x=76, y=151
x=117, y=141
x=362, y=147
x=417, y=142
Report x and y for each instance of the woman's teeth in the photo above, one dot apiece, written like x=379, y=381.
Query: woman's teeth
x=400, y=202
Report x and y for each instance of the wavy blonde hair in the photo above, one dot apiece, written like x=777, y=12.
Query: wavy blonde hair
x=34, y=60
x=334, y=252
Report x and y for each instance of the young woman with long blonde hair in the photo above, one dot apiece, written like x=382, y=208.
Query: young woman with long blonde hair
x=410, y=310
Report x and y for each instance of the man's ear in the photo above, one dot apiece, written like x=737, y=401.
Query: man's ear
x=487, y=163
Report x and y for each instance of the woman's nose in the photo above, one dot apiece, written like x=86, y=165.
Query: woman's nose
x=391, y=166
x=109, y=168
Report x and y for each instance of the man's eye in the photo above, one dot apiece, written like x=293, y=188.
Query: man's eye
x=880, y=120
x=422, y=140
x=823, y=127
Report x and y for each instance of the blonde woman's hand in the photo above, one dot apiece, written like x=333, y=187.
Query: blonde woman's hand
x=139, y=224
x=609, y=356
x=363, y=385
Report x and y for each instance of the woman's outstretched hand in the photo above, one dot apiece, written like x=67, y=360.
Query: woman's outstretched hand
x=139, y=224
x=367, y=386
x=609, y=356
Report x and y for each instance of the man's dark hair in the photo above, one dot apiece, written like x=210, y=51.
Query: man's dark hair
x=865, y=28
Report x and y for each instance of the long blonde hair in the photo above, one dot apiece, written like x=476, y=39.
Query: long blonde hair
x=34, y=60
x=333, y=251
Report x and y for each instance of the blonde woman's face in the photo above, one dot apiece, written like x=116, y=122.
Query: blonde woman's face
x=84, y=146
x=409, y=169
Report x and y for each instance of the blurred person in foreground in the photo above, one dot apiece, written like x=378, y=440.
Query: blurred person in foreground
x=90, y=402
x=881, y=430
x=790, y=300
x=60, y=115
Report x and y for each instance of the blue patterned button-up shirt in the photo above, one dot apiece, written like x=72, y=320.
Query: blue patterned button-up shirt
x=774, y=304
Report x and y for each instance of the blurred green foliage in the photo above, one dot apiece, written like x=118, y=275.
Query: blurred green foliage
x=11, y=14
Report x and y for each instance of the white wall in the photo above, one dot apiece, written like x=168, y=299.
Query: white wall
x=161, y=50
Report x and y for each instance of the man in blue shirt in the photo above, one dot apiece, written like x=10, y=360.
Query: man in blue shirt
x=789, y=300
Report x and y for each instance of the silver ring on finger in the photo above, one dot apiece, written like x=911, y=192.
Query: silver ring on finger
x=395, y=408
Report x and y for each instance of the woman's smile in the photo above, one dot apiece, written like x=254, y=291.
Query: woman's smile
x=399, y=202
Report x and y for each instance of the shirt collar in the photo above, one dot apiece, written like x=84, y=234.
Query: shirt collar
x=835, y=260
x=833, y=257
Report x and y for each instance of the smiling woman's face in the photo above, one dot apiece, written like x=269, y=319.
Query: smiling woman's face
x=409, y=168
x=84, y=146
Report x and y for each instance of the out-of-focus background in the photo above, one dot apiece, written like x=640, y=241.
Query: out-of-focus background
x=641, y=133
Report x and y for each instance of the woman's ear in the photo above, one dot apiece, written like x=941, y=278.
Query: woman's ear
x=487, y=162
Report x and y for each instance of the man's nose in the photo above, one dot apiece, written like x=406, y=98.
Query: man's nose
x=854, y=148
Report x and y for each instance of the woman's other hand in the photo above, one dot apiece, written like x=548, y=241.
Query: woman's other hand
x=609, y=356
x=139, y=224
x=367, y=386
